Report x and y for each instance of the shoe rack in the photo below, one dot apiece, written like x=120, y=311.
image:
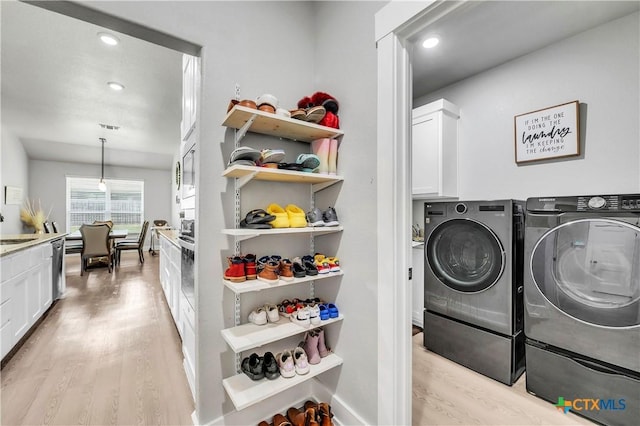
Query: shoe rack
x=243, y=391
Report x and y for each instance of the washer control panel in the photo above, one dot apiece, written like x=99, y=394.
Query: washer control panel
x=586, y=203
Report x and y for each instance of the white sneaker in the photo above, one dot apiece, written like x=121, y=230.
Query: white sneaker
x=301, y=317
x=314, y=314
x=300, y=359
x=272, y=312
x=286, y=364
x=258, y=316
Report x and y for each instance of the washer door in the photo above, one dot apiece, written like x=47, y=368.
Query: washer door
x=465, y=255
x=590, y=270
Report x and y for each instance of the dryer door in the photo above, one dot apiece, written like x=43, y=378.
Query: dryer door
x=465, y=255
x=590, y=270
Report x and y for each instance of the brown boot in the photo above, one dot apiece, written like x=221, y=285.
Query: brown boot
x=324, y=414
x=296, y=417
x=269, y=273
x=263, y=423
x=280, y=420
x=286, y=271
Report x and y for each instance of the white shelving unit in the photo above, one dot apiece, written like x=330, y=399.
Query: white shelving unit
x=250, y=286
x=243, y=391
x=249, y=336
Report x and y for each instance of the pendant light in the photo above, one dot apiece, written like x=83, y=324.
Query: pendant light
x=102, y=186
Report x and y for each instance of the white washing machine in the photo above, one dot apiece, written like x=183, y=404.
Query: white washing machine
x=582, y=304
x=473, y=285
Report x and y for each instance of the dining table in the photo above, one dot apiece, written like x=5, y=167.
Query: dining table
x=113, y=234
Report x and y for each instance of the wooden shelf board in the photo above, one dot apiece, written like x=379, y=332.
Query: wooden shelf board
x=245, y=392
x=257, y=285
x=249, y=336
x=278, y=175
x=246, y=232
x=275, y=125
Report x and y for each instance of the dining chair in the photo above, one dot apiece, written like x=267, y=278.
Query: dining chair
x=95, y=243
x=133, y=245
x=47, y=229
x=106, y=222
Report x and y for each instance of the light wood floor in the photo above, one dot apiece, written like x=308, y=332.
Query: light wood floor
x=106, y=354
x=446, y=393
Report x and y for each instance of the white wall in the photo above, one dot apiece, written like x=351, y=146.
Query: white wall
x=600, y=68
x=14, y=173
x=47, y=182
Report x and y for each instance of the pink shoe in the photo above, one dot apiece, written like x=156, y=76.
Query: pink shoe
x=310, y=346
x=322, y=348
x=321, y=148
x=300, y=359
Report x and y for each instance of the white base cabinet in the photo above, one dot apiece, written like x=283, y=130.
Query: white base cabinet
x=26, y=292
x=434, y=150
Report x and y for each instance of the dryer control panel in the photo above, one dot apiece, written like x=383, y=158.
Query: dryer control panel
x=585, y=203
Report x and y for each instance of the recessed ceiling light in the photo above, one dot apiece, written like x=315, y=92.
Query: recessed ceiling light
x=430, y=42
x=109, y=39
x=115, y=86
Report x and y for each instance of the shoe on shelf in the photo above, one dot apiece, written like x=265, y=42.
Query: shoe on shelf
x=298, y=269
x=250, y=266
x=286, y=272
x=271, y=156
x=322, y=346
x=281, y=217
x=323, y=412
x=235, y=272
x=286, y=364
x=296, y=215
x=252, y=367
x=271, y=370
x=257, y=219
x=258, y=316
x=334, y=264
x=321, y=264
x=301, y=317
x=330, y=217
x=269, y=273
x=309, y=162
x=272, y=312
x=324, y=312
x=244, y=155
x=300, y=360
x=310, y=346
x=280, y=420
x=314, y=217
x=314, y=313
x=286, y=308
x=333, y=310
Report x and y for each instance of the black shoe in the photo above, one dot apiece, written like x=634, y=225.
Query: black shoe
x=298, y=270
x=253, y=367
x=271, y=370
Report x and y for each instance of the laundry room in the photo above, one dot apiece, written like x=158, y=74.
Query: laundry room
x=557, y=227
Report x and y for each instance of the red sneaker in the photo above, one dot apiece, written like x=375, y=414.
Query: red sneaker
x=235, y=272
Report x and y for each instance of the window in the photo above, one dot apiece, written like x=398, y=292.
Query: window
x=121, y=203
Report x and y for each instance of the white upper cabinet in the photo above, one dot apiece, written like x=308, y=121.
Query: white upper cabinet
x=434, y=150
x=189, y=87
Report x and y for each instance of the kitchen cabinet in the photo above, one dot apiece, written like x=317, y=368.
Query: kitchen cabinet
x=434, y=150
x=243, y=391
x=189, y=86
x=26, y=291
x=170, y=277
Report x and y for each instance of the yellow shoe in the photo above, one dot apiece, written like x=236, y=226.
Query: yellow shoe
x=281, y=220
x=297, y=217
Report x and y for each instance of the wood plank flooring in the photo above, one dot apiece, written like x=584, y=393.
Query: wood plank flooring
x=446, y=393
x=106, y=354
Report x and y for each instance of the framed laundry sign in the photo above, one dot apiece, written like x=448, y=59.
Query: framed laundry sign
x=547, y=133
x=12, y=194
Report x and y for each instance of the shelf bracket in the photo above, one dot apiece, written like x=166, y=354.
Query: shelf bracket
x=242, y=181
x=245, y=128
x=316, y=187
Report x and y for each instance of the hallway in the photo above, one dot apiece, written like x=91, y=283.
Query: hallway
x=108, y=353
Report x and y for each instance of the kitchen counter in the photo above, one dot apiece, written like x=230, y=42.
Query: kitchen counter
x=30, y=240
x=171, y=235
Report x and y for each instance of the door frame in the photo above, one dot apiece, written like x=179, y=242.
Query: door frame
x=394, y=25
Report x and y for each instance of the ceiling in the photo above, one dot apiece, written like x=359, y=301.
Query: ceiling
x=54, y=91
x=478, y=36
x=55, y=70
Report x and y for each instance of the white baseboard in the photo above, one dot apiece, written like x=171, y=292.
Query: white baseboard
x=343, y=413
